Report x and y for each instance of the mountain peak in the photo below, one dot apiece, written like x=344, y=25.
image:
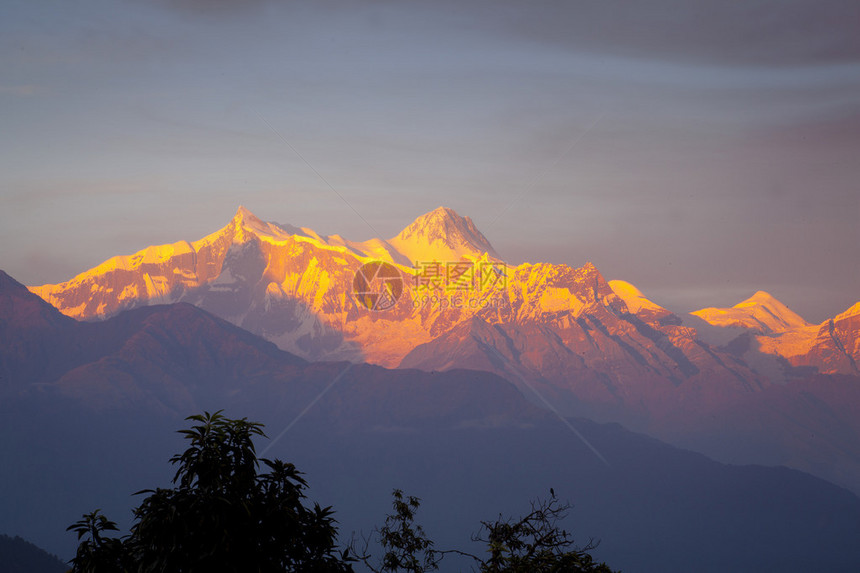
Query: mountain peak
x=760, y=297
x=442, y=211
x=244, y=216
x=245, y=225
x=436, y=222
x=761, y=312
x=442, y=234
x=633, y=297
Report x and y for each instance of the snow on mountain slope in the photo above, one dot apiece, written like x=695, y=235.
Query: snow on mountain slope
x=762, y=327
x=442, y=235
x=637, y=303
x=294, y=287
x=830, y=347
x=167, y=273
x=565, y=331
x=791, y=343
x=852, y=312
x=761, y=312
x=289, y=284
x=633, y=297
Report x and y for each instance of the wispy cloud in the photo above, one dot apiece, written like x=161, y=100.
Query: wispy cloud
x=768, y=32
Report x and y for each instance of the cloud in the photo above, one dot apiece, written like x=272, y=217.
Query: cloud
x=769, y=32
x=714, y=32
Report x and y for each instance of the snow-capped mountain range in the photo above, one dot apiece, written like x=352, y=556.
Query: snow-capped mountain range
x=563, y=335
x=294, y=287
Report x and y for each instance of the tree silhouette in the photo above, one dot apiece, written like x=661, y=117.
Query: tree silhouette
x=224, y=516
x=221, y=515
x=534, y=543
x=406, y=546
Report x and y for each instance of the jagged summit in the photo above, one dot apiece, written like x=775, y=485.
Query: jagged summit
x=442, y=234
x=244, y=217
x=245, y=224
x=243, y=212
x=760, y=297
x=761, y=312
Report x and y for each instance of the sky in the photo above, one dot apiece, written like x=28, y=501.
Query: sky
x=700, y=150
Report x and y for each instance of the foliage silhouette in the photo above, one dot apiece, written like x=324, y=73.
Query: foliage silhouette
x=534, y=543
x=222, y=515
x=406, y=546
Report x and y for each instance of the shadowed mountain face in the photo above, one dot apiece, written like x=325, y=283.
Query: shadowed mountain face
x=100, y=424
x=587, y=346
x=562, y=328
